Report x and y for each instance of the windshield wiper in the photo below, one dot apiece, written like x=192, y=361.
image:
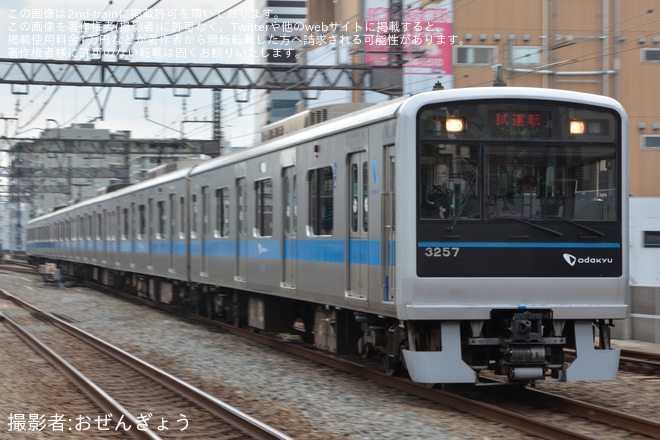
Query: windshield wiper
x=466, y=196
x=537, y=226
x=579, y=225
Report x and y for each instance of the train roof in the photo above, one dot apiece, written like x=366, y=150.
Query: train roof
x=380, y=112
x=160, y=180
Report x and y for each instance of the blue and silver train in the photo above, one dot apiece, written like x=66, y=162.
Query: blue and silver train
x=450, y=232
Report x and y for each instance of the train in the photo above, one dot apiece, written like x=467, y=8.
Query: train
x=454, y=233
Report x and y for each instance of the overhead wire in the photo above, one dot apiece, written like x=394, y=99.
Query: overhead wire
x=19, y=129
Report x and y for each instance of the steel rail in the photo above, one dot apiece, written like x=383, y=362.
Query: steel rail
x=639, y=357
x=216, y=407
x=617, y=419
x=104, y=401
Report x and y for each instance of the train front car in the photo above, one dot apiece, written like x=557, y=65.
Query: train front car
x=514, y=245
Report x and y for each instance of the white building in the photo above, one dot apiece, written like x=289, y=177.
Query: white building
x=644, y=301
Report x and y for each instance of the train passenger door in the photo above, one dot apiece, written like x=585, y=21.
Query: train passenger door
x=289, y=240
x=358, y=239
x=241, y=232
x=388, y=247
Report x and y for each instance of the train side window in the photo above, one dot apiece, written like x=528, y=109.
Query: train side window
x=132, y=233
x=124, y=230
x=205, y=213
x=109, y=225
x=151, y=231
x=295, y=205
x=264, y=208
x=193, y=221
x=182, y=217
x=142, y=231
x=162, y=220
x=221, y=212
x=365, y=196
x=321, y=202
x=113, y=226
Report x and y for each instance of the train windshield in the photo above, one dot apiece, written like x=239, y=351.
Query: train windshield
x=529, y=160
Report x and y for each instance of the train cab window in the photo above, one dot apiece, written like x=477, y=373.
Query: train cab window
x=321, y=201
x=264, y=208
x=448, y=181
x=221, y=213
x=568, y=182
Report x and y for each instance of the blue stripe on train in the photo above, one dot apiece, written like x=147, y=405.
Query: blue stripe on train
x=522, y=245
x=321, y=251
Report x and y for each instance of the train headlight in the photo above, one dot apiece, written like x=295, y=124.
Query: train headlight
x=577, y=127
x=455, y=125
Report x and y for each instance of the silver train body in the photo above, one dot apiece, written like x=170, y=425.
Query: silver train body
x=391, y=232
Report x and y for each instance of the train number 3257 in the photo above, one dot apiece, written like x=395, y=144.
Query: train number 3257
x=441, y=252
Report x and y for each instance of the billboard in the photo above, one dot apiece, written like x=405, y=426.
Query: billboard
x=422, y=35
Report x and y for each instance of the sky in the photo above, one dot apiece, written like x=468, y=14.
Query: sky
x=200, y=31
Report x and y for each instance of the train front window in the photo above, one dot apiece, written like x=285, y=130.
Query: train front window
x=448, y=181
x=493, y=160
x=536, y=181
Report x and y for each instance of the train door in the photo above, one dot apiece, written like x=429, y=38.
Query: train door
x=289, y=240
x=205, y=230
x=388, y=262
x=241, y=233
x=358, y=239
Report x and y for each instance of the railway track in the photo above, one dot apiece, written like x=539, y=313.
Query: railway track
x=640, y=362
x=562, y=418
x=145, y=402
x=554, y=416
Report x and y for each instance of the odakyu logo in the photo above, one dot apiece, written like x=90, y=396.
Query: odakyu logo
x=572, y=260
